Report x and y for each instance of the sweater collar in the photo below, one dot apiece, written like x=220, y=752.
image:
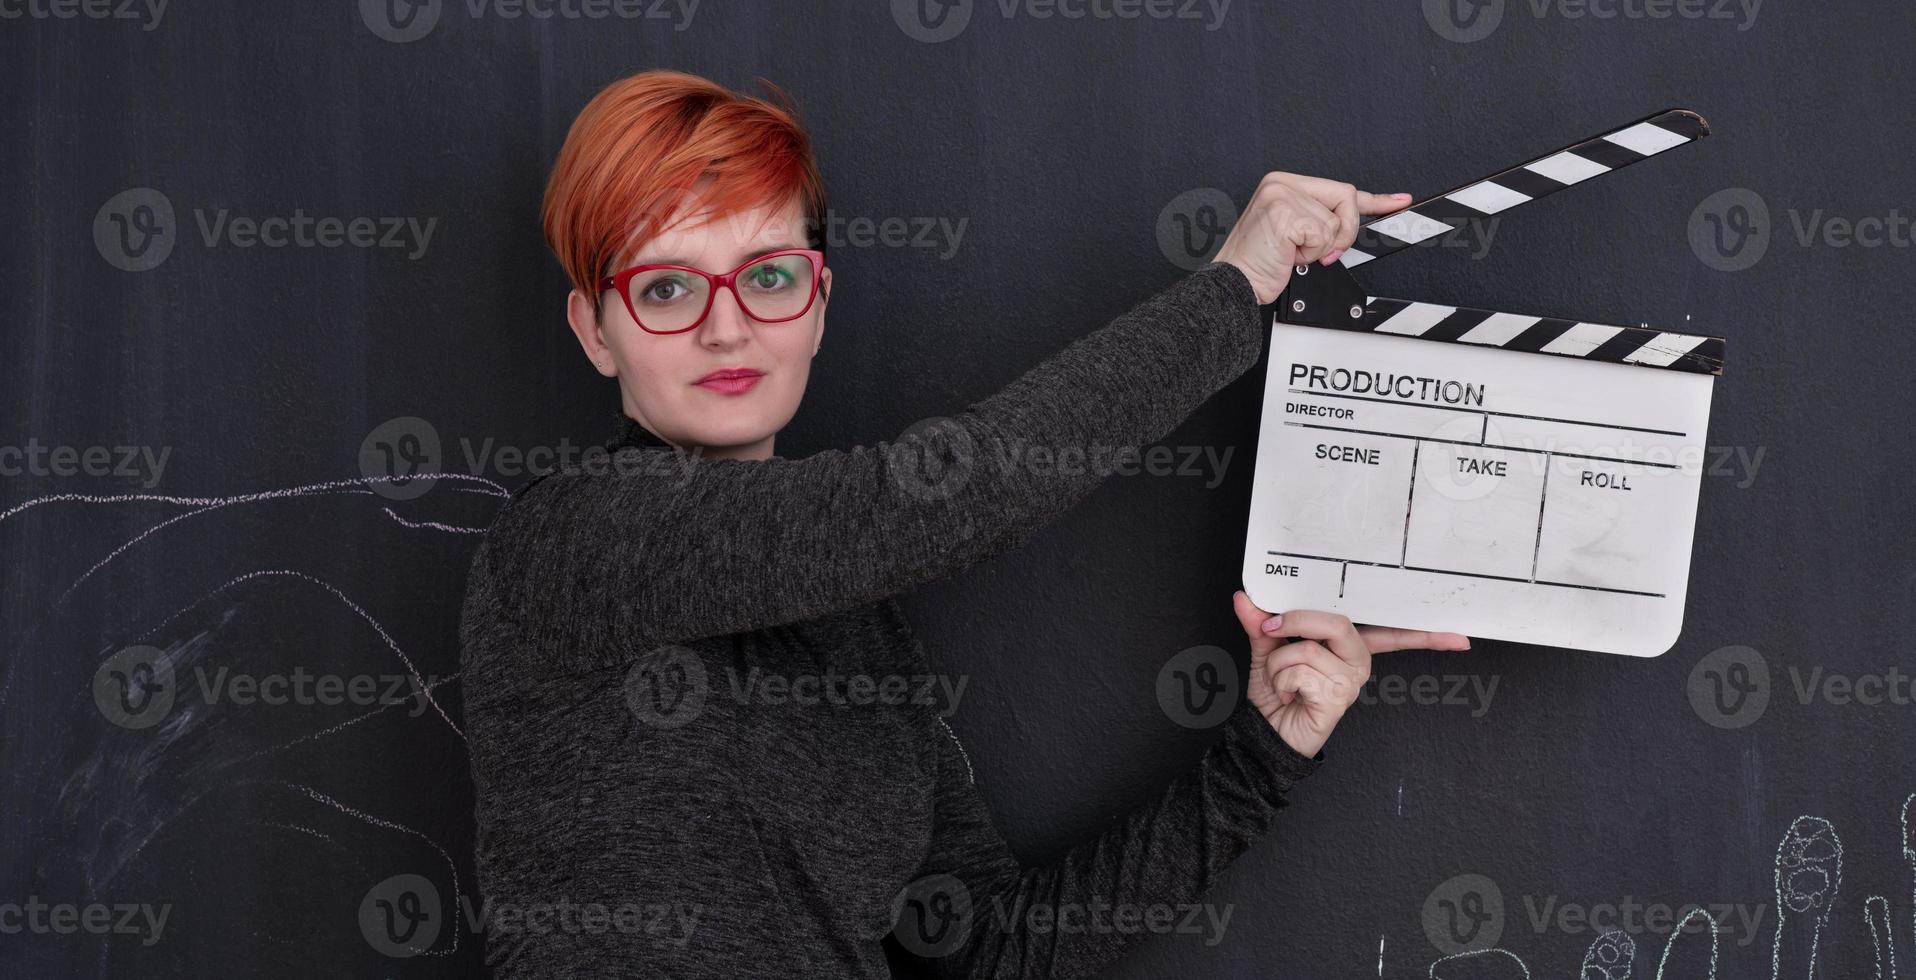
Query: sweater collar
x=627, y=431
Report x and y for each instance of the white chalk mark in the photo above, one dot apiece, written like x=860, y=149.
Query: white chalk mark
x=1876, y=910
x=1492, y=952
x=1680, y=930
x=433, y=525
x=452, y=870
x=1809, y=872
x=1612, y=957
x=419, y=683
x=1380, y=956
x=334, y=729
x=204, y=505
x=1909, y=855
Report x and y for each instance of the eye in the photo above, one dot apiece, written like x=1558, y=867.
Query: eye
x=768, y=276
x=666, y=288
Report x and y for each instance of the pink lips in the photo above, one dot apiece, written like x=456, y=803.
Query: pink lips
x=730, y=381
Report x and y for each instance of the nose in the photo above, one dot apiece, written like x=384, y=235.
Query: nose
x=726, y=324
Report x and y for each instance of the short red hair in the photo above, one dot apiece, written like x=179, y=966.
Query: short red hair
x=636, y=150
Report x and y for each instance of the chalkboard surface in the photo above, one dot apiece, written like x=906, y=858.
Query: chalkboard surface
x=267, y=256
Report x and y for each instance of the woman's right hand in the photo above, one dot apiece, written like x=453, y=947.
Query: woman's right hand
x=1293, y=220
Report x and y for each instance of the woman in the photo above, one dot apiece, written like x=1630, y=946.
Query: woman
x=654, y=795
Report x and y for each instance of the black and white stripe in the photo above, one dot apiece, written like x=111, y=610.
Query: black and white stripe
x=1544, y=335
x=1544, y=175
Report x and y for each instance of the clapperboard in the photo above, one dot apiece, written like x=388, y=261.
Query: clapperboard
x=1501, y=475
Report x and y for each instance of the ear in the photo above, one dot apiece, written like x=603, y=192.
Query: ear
x=585, y=326
x=824, y=299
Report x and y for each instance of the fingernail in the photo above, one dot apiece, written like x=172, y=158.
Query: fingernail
x=1272, y=624
x=1404, y=194
x=1331, y=259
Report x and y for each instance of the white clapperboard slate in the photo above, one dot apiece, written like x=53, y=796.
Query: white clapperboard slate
x=1500, y=475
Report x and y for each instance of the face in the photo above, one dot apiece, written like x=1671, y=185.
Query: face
x=666, y=381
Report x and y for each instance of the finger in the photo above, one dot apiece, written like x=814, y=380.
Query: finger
x=1253, y=619
x=1312, y=654
x=1333, y=631
x=1389, y=639
x=1310, y=227
x=1347, y=222
x=1303, y=681
x=1368, y=203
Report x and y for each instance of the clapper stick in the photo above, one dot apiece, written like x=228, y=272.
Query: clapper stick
x=1330, y=297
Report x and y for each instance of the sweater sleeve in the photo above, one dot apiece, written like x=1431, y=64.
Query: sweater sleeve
x=974, y=912
x=606, y=563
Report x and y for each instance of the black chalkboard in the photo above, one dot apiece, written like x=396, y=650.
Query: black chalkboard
x=264, y=253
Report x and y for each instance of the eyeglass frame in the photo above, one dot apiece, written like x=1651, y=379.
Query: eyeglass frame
x=619, y=281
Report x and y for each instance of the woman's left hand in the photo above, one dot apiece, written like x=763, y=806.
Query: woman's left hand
x=1308, y=666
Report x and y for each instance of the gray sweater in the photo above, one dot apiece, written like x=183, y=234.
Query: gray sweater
x=701, y=739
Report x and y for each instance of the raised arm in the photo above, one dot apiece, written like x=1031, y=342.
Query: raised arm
x=666, y=553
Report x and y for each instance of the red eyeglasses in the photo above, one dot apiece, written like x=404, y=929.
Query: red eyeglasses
x=667, y=299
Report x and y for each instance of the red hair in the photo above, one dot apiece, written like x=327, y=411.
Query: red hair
x=635, y=151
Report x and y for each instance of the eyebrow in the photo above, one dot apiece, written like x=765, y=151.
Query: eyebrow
x=742, y=259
